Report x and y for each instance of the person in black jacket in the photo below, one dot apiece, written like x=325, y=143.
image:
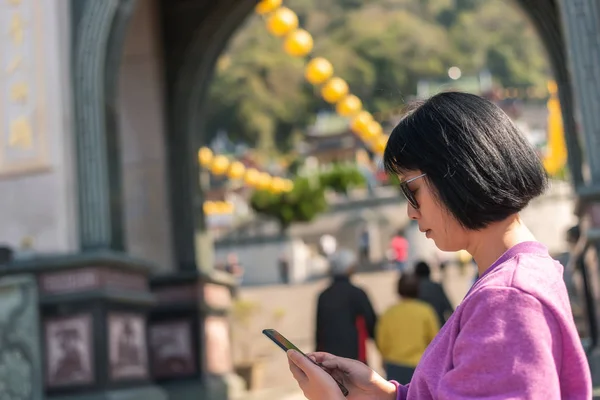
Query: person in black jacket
x=433, y=293
x=345, y=316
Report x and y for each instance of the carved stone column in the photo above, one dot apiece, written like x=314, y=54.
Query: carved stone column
x=98, y=32
x=581, y=21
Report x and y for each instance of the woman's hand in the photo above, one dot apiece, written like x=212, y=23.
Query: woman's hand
x=360, y=380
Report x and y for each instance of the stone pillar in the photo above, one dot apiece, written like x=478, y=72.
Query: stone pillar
x=581, y=21
x=97, y=36
x=545, y=16
x=194, y=34
x=189, y=338
x=36, y=171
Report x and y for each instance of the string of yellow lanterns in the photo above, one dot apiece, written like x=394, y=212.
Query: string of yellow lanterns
x=218, y=207
x=219, y=164
x=283, y=22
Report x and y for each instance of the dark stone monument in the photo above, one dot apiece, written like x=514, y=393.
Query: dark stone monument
x=189, y=335
x=93, y=310
x=20, y=355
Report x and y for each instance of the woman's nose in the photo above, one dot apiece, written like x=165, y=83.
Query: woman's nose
x=412, y=212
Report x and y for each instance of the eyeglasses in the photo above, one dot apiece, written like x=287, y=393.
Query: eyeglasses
x=410, y=196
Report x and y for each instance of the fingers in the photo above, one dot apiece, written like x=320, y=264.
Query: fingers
x=298, y=374
x=319, y=356
x=331, y=362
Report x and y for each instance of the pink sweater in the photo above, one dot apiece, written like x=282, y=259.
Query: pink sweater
x=512, y=337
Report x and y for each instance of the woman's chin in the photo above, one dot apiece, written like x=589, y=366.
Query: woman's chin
x=441, y=245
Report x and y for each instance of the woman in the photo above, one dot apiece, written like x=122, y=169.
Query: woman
x=405, y=330
x=466, y=172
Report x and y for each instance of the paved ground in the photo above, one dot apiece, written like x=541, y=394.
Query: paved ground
x=290, y=309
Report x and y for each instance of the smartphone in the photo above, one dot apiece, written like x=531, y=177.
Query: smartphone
x=286, y=345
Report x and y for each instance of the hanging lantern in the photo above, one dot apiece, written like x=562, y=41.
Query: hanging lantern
x=282, y=22
x=264, y=181
x=318, y=70
x=252, y=177
x=379, y=144
x=267, y=6
x=277, y=185
x=371, y=130
x=288, y=185
x=360, y=122
x=219, y=165
x=349, y=106
x=205, y=156
x=209, y=208
x=334, y=90
x=236, y=170
x=223, y=207
x=298, y=43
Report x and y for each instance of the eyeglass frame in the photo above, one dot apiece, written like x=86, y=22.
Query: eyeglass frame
x=408, y=194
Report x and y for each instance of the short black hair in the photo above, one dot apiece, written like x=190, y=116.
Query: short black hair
x=482, y=167
x=408, y=286
x=422, y=269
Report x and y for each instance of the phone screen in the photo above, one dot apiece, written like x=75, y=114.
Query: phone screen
x=281, y=341
x=286, y=345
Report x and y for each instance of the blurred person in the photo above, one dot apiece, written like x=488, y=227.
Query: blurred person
x=466, y=172
x=345, y=316
x=433, y=293
x=327, y=244
x=443, y=259
x=399, y=245
x=283, y=265
x=364, y=245
x=405, y=330
x=234, y=267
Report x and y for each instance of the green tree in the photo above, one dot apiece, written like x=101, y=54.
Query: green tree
x=302, y=204
x=381, y=47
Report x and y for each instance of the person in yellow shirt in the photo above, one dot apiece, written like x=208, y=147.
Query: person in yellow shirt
x=405, y=330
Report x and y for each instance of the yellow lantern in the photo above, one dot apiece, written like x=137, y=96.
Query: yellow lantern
x=209, y=208
x=266, y=6
x=379, y=144
x=223, y=207
x=264, y=181
x=372, y=130
x=349, y=106
x=236, y=170
x=360, y=122
x=288, y=185
x=229, y=207
x=282, y=22
x=298, y=43
x=252, y=177
x=277, y=185
x=205, y=156
x=219, y=165
x=334, y=90
x=318, y=70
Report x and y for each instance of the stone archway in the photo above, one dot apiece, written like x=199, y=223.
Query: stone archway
x=194, y=34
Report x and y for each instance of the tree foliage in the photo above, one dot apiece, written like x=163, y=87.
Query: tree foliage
x=302, y=204
x=381, y=47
